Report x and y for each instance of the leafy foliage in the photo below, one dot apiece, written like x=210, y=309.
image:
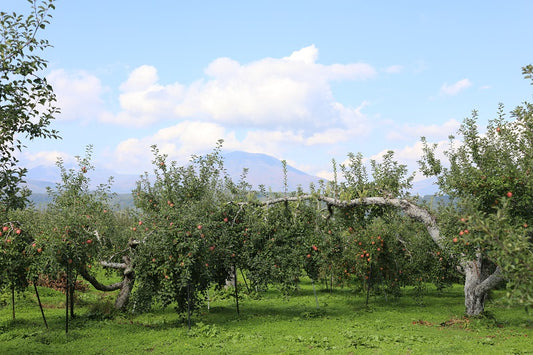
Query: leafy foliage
x=26, y=99
x=186, y=230
x=489, y=179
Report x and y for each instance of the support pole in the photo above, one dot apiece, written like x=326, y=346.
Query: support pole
x=40, y=304
x=189, y=305
x=13, y=300
x=236, y=290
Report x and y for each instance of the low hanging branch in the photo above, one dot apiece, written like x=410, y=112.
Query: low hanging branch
x=410, y=209
x=476, y=284
x=125, y=286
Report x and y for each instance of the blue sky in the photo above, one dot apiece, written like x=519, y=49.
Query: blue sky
x=304, y=81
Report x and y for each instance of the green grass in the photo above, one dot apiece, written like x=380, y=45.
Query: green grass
x=270, y=325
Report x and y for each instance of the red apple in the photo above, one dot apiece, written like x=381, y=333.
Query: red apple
x=509, y=194
x=89, y=241
x=455, y=240
x=199, y=226
x=5, y=228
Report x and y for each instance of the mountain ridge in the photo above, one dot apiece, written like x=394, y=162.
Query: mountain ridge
x=263, y=169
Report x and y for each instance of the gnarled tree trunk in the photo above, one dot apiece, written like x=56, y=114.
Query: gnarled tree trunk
x=479, y=280
x=125, y=286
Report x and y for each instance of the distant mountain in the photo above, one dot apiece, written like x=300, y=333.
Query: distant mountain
x=41, y=177
x=262, y=169
x=266, y=170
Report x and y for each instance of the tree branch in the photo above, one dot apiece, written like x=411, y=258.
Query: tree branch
x=416, y=212
x=97, y=285
x=113, y=265
x=490, y=282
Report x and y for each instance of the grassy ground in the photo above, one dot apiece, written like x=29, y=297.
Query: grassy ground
x=271, y=325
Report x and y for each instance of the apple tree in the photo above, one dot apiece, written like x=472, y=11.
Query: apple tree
x=281, y=243
x=81, y=232
x=184, y=231
x=487, y=174
x=27, y=101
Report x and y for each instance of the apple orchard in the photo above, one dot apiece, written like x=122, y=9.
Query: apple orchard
x=193, y=228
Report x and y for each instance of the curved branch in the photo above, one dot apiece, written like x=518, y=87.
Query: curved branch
x=490, y=282
x=113, y=265
x=97, y=285
x=410, y=209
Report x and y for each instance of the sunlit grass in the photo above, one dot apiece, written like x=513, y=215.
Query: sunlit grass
x=272, y=324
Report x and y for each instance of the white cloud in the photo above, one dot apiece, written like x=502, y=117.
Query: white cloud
x=407, y=132
x=411, y=154
x=179, y=142
x=143, y=101
x=326, y=175
x=454, y=89
x=47, y=158
x=290, y=92
x=78, y=94
x=307, y=55
x=394, y=69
